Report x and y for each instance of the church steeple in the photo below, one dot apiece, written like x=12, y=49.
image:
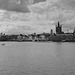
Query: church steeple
x=58, y=28
x=58, y=24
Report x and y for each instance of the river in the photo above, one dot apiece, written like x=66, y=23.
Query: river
x=34, y=58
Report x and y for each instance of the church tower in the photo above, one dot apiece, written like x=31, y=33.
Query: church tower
x=58, y=28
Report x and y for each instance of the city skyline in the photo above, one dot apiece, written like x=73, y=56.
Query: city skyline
x=31, y=16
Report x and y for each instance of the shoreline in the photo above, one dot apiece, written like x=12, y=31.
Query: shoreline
x=39, y=41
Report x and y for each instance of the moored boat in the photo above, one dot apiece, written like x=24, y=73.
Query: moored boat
x=3, y=44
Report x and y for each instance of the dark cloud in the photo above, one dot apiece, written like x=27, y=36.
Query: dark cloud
x=15, y=5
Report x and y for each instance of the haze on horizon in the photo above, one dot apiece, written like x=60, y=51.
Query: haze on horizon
x=29, y=16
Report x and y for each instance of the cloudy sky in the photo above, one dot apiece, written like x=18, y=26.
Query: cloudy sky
x=29, y=16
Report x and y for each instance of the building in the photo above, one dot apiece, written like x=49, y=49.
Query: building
x=51, y=32
x=59, y=29
x=74, y=34
x=74, y=30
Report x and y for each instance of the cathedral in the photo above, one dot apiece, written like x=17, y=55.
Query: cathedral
x=59, y=29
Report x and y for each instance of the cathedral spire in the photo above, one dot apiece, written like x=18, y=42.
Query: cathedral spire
x=58, y=24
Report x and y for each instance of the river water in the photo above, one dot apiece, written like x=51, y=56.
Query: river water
x=31, y=58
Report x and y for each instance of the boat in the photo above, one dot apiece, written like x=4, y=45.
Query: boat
x=3, y=44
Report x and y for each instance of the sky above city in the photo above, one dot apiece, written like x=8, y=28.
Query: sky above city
x=29, y=16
